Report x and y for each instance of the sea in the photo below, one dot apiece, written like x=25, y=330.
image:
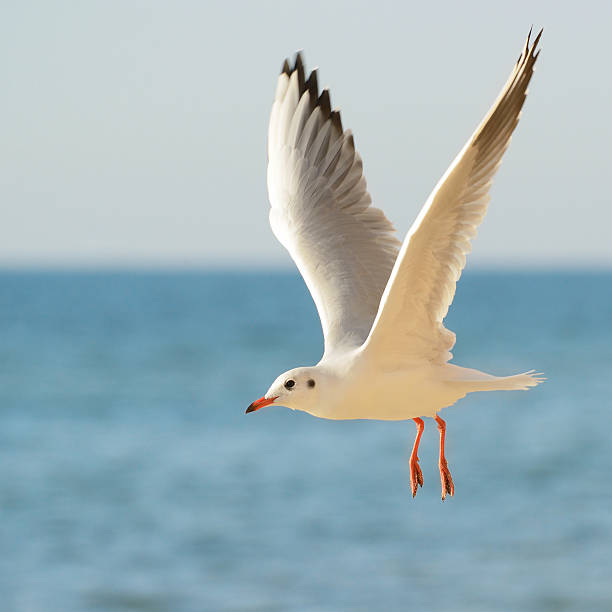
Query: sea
x=132, y=480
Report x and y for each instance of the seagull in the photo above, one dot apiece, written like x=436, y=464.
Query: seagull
x=381, y=302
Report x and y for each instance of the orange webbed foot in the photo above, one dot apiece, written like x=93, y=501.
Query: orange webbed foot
x=446, y=481
x=416, y=476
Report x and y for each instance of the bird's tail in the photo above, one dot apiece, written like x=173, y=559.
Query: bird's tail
x=475, y=380
x=518, y=382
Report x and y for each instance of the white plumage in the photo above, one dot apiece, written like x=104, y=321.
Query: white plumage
x=321, y=212
x=381, y=303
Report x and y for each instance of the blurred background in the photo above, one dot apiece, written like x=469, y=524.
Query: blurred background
x=144, y=303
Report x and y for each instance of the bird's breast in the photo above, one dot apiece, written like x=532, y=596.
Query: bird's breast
x=367, y=393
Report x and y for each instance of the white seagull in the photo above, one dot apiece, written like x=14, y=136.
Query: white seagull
x=381, y=303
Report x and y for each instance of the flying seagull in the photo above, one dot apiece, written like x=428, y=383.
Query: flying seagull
x=381, y=302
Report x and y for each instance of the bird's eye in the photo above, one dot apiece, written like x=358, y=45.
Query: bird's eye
x=311, y=383
x=289, y=384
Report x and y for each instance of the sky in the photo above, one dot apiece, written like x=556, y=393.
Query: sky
x=134, y=132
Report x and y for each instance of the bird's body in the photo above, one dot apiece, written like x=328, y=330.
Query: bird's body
x=381, y=302
x=360, y=389
x=356, y=387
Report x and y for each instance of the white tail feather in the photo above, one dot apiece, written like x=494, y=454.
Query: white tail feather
x=487, y=382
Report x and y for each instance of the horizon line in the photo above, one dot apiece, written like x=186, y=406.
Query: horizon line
x=234, y=267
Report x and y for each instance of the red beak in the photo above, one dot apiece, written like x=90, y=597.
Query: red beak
x=260, y=403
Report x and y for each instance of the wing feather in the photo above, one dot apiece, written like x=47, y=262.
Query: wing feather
x=423, y=281
x=321, y=210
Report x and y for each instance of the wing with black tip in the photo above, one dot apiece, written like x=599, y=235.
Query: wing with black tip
x=422, y=284
x=321, y=210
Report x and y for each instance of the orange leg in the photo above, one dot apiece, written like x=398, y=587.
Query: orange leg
x=445, y=475
x=416, y=476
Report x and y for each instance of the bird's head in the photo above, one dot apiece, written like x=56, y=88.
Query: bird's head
x=297, y=389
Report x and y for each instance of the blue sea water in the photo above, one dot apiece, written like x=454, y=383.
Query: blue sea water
x=131, y=479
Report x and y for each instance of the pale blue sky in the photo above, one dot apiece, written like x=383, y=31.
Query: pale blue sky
x=134, y=132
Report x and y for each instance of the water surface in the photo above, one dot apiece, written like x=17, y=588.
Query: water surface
x=130, y=478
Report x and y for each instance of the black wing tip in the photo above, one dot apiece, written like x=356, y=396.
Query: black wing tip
x=298, y=66
x=299, y=62
x=311, y=84
x=531, y=48
x=312, y=81
x=530, y=51
x=537, y=40
x=336, y=120
x=324, y=103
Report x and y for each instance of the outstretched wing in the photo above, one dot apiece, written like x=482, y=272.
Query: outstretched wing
x=422, y=284
x=344, y=248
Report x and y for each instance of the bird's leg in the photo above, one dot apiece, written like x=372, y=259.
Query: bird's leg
x=445, y=475
x=416, y=476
